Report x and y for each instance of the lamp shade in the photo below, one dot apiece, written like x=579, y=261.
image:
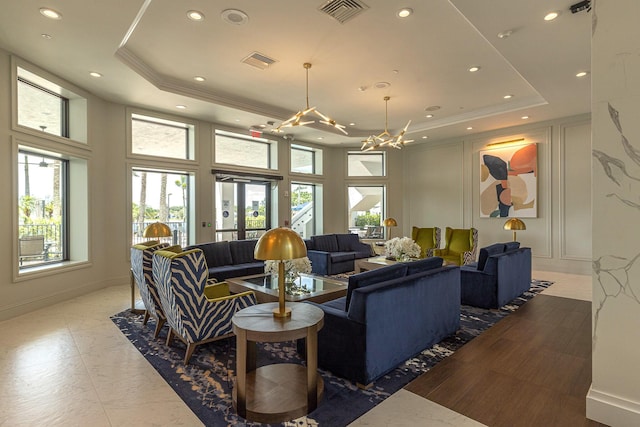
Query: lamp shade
x=514, y=224
x=390, y=222
x=280, y=243
x=157, y=229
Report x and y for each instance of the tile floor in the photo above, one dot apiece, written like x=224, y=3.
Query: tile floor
x=69, y=365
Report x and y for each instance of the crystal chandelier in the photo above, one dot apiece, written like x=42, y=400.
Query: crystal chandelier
x=385, y=138
x=297, y=118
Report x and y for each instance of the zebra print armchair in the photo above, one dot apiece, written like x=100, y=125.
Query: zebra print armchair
x=141, y=267
x=197, y=311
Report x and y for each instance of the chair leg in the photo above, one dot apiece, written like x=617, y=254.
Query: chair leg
x=159, y=324
x=169, y=337
x=146, y=317
x=190, y=348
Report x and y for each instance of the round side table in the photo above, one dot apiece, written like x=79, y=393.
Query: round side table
x=278, y=392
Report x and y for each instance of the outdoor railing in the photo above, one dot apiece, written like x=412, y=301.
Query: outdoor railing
x=178, y=228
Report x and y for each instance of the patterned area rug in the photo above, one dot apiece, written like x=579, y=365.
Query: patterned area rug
x=207, y=382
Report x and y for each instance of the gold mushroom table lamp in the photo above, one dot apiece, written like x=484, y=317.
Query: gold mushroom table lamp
x=280, y=244
x=157, y=229
x=514, y=224
x=389, y=222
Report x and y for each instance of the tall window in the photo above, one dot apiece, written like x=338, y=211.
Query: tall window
x=366, y=210
x=42, y=209
x=306, y=209
x=240, y=150
x=306, y=160
x=153, y=136
x=366, y=164
x=162, y=196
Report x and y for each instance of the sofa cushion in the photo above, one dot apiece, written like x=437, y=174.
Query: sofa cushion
x=347, y=242
x=325, y=242
x=342, y=256
x=242, y=251
x=423, y=265
x=487, y=251
x=511, y=246
x=374, y=276
x=216, y=253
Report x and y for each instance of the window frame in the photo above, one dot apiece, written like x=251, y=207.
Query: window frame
x=316, y=159
x=190, y=126
x=383, y=156
x=272, y=149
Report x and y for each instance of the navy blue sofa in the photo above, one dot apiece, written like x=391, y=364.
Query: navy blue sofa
x=388, y=316
x=230, y=259
x=335, y=253
x=503, y=272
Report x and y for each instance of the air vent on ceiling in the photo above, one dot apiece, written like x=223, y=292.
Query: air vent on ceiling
x=343, y=10
x=259, y=60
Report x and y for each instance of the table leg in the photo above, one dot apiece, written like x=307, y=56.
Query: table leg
x=312, y=368
x=241, y=372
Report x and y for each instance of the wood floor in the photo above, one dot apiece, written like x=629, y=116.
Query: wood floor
x=533, y=368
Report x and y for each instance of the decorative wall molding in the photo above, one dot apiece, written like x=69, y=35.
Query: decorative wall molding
x=604, y=407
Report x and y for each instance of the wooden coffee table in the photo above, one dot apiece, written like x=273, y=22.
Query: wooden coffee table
x=308, y=288
x=366, y=264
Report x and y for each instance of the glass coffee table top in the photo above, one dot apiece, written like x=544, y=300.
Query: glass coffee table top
x=306, y=286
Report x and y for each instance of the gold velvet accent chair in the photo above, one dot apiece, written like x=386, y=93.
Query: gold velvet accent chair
x=427, y=238
x=461, y=246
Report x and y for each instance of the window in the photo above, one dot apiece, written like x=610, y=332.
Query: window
x=163, y=196
x=241, y=150
x=153, y=136
x=47, y=107
x=366, y=164
x=42, y=209
x=366, y=209
x=306, y=160
x=306, y=209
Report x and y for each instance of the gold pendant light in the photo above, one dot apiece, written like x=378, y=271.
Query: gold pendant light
x=296, y=119
x=385, y=138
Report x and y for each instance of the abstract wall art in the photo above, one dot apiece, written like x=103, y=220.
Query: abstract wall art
x=508, y=182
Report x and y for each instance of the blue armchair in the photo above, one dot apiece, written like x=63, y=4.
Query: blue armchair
x=197, y=310
x=503, y=273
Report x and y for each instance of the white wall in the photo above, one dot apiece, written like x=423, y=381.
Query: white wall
x=614, y=397
x=441, y=187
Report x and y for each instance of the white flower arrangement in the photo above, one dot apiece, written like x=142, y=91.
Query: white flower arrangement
x=401, y=247
x=291, y=266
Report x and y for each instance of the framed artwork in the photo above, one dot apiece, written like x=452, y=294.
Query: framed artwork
x=508, y=182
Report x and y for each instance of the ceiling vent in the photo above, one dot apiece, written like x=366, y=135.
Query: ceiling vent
x=343, y=10
x=259, y=60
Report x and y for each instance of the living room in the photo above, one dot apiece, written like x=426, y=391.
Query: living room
x=427, y=184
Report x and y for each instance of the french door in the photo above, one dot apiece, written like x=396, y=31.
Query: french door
x=243, y=209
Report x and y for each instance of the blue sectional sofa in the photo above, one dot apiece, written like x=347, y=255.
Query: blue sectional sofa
x=503, y=272
x=335, y=253
x=388, y=316
x=230, y=259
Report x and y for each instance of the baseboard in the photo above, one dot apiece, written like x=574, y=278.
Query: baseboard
x=36, y=304
x=612, y=410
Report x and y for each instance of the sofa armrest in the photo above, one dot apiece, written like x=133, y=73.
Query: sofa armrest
x=320, y=261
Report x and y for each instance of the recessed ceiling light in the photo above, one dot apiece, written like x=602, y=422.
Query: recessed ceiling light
x=262, y=125
x=320, y=137
x=524, y=117
x=181, y=107
x=95, y=74
x=46, y=36
x=404, y=12
x=582, y=74
x=237, y=120
x=382, y=85
x=50, y=13
x=428, y=116
x=199, y=78
x=425, y=137
x=352, y=124
x=195, y=15
x=474, y=69
x=470, y=127
x=551, y=16
x=235, y=16
x=504, y=34
x=508, y=96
